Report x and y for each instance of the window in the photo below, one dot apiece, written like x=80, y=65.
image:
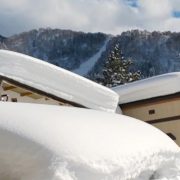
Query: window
x=13, y=99
x=152, y=111
x=4, y=97
x=172, y=136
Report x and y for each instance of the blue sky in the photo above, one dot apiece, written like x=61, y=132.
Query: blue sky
x=176, y=14
x=133, y=3
x=108, y=16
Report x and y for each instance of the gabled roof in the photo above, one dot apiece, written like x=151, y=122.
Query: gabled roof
x=56, y=81
x=156, y=86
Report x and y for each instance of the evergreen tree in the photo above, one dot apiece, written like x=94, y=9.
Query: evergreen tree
x=116, y=70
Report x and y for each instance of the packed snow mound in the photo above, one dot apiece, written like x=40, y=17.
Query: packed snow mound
x=156, y=86
x=43, y=142
x=56, y=81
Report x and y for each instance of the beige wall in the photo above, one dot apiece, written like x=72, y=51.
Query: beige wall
x=163, y=109
x=11, y=94
x=170, y=127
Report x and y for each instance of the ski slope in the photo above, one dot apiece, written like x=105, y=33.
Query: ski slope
x=89, y=64
x=43, y=142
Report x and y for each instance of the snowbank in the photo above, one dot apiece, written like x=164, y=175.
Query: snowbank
x=56, y=81
x=43, y=142
x=156, y=86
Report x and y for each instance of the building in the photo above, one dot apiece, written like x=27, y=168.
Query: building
x=154, y=100
x=30, y=80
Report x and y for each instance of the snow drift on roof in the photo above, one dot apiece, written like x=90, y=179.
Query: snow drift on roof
x=56, y=81
x=156, y=86
x=64, y=143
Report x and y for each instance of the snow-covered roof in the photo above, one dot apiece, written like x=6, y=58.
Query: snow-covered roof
x=81, y=144
x=56, y=81
x=156, y=86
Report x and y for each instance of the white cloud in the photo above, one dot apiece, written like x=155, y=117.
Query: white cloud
x=11, y=5
x=154, y=9
x=172, y=23
x=176, y=5
x=109, y=16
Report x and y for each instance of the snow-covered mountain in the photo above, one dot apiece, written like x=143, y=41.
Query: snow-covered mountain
x=63, y=48
x=85, y=53
x=154, y=53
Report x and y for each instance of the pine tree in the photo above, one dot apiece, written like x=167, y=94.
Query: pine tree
x=116, y=70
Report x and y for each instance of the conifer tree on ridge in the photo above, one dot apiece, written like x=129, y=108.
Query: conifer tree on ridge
x=116, y=70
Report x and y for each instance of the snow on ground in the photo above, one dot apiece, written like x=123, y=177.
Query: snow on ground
x=148, y=88
x=89, y=64
x=56, y=81
x=43, y=142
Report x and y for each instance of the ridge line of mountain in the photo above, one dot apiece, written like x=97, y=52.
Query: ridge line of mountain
x=153, y=53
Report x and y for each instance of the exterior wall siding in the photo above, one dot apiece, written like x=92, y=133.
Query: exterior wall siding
x=25, y=99
x=163, y=114
x=172, y=127
x=161, y=110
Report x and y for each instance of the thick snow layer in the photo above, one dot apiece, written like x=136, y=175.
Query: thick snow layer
x=156, y=86
x=43, y=142
x=89, y=64
x=57, y=81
